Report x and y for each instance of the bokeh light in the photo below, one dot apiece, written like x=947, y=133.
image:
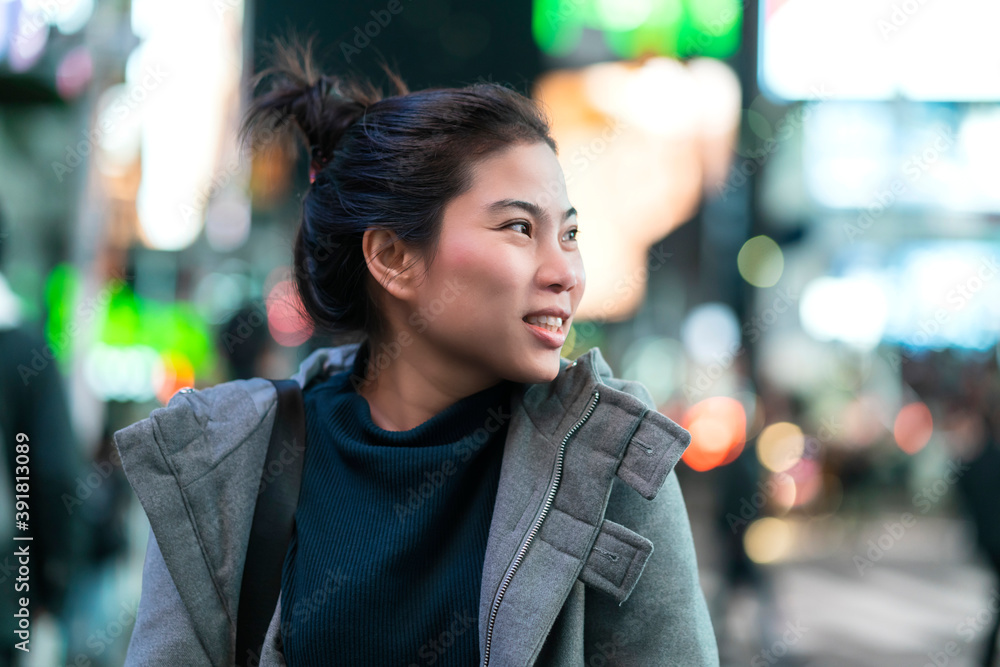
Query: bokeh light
x=854, y=310
x=658, y=363
x=807, y=476
x=768, y=540
x=780, y=446
x=175, y=373
x=718, y=432
x=711, y=333
x=285, y=316
x=913, y=427
x=761, y=261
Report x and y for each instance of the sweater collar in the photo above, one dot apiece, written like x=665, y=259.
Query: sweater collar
x=486, y=408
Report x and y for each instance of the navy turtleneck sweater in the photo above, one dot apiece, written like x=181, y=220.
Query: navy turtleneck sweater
x=385, y=564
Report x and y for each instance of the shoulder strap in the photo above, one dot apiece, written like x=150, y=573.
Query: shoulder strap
x=273, y=520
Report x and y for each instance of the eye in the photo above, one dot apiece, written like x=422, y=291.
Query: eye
x=526, y=224
x=575, y=231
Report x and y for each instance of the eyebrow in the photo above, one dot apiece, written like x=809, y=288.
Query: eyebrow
x=530, y=207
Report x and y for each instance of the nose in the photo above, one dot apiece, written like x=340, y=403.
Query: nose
x=559, y=267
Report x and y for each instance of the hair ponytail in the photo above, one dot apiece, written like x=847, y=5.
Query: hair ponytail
x=321, y=106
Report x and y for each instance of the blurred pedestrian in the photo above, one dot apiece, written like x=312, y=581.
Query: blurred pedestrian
x=35, y=423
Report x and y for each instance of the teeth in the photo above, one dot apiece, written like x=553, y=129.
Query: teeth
x=545, y=321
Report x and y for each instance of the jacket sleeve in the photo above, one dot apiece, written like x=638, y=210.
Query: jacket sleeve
x=163, y=632
x=665, y=620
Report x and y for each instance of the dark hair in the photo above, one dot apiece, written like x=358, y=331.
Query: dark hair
x=387, y=162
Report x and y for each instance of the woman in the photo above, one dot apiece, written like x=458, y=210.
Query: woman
x=469, y=496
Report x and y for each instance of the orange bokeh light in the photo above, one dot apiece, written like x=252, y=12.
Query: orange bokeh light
x=718, y=432
x=177, y=373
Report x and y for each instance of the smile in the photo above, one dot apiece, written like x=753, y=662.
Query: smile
x=549, y=331
x=548, y=322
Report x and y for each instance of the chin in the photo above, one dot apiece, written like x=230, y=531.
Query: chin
x=543, y=370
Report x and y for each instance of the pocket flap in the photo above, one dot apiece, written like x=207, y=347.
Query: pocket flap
x=616, y=560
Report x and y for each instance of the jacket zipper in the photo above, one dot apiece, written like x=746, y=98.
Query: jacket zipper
x=534, y=529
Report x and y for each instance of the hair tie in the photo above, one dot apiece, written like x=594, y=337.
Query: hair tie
x=317, y=162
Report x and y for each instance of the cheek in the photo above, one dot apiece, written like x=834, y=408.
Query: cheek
x=465, y=254
x=487, y=271
x=476, y=286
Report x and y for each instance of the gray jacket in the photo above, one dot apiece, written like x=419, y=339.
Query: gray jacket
x=571, y=576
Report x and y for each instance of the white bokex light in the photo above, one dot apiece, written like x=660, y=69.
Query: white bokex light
x=850, y=309
x=879, y=49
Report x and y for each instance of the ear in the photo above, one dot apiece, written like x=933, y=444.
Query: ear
x=389, y=260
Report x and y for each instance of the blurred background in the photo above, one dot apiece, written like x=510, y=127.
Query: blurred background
x=791, y=237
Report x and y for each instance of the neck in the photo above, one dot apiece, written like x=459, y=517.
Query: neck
x=407, y=385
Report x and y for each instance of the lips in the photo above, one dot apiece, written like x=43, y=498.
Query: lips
x=547, y=334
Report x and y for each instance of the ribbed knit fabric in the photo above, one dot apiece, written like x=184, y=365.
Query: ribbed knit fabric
x=385, y=565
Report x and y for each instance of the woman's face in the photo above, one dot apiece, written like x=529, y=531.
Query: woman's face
x=507, y=250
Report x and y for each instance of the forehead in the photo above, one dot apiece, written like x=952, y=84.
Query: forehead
x=529, y=172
